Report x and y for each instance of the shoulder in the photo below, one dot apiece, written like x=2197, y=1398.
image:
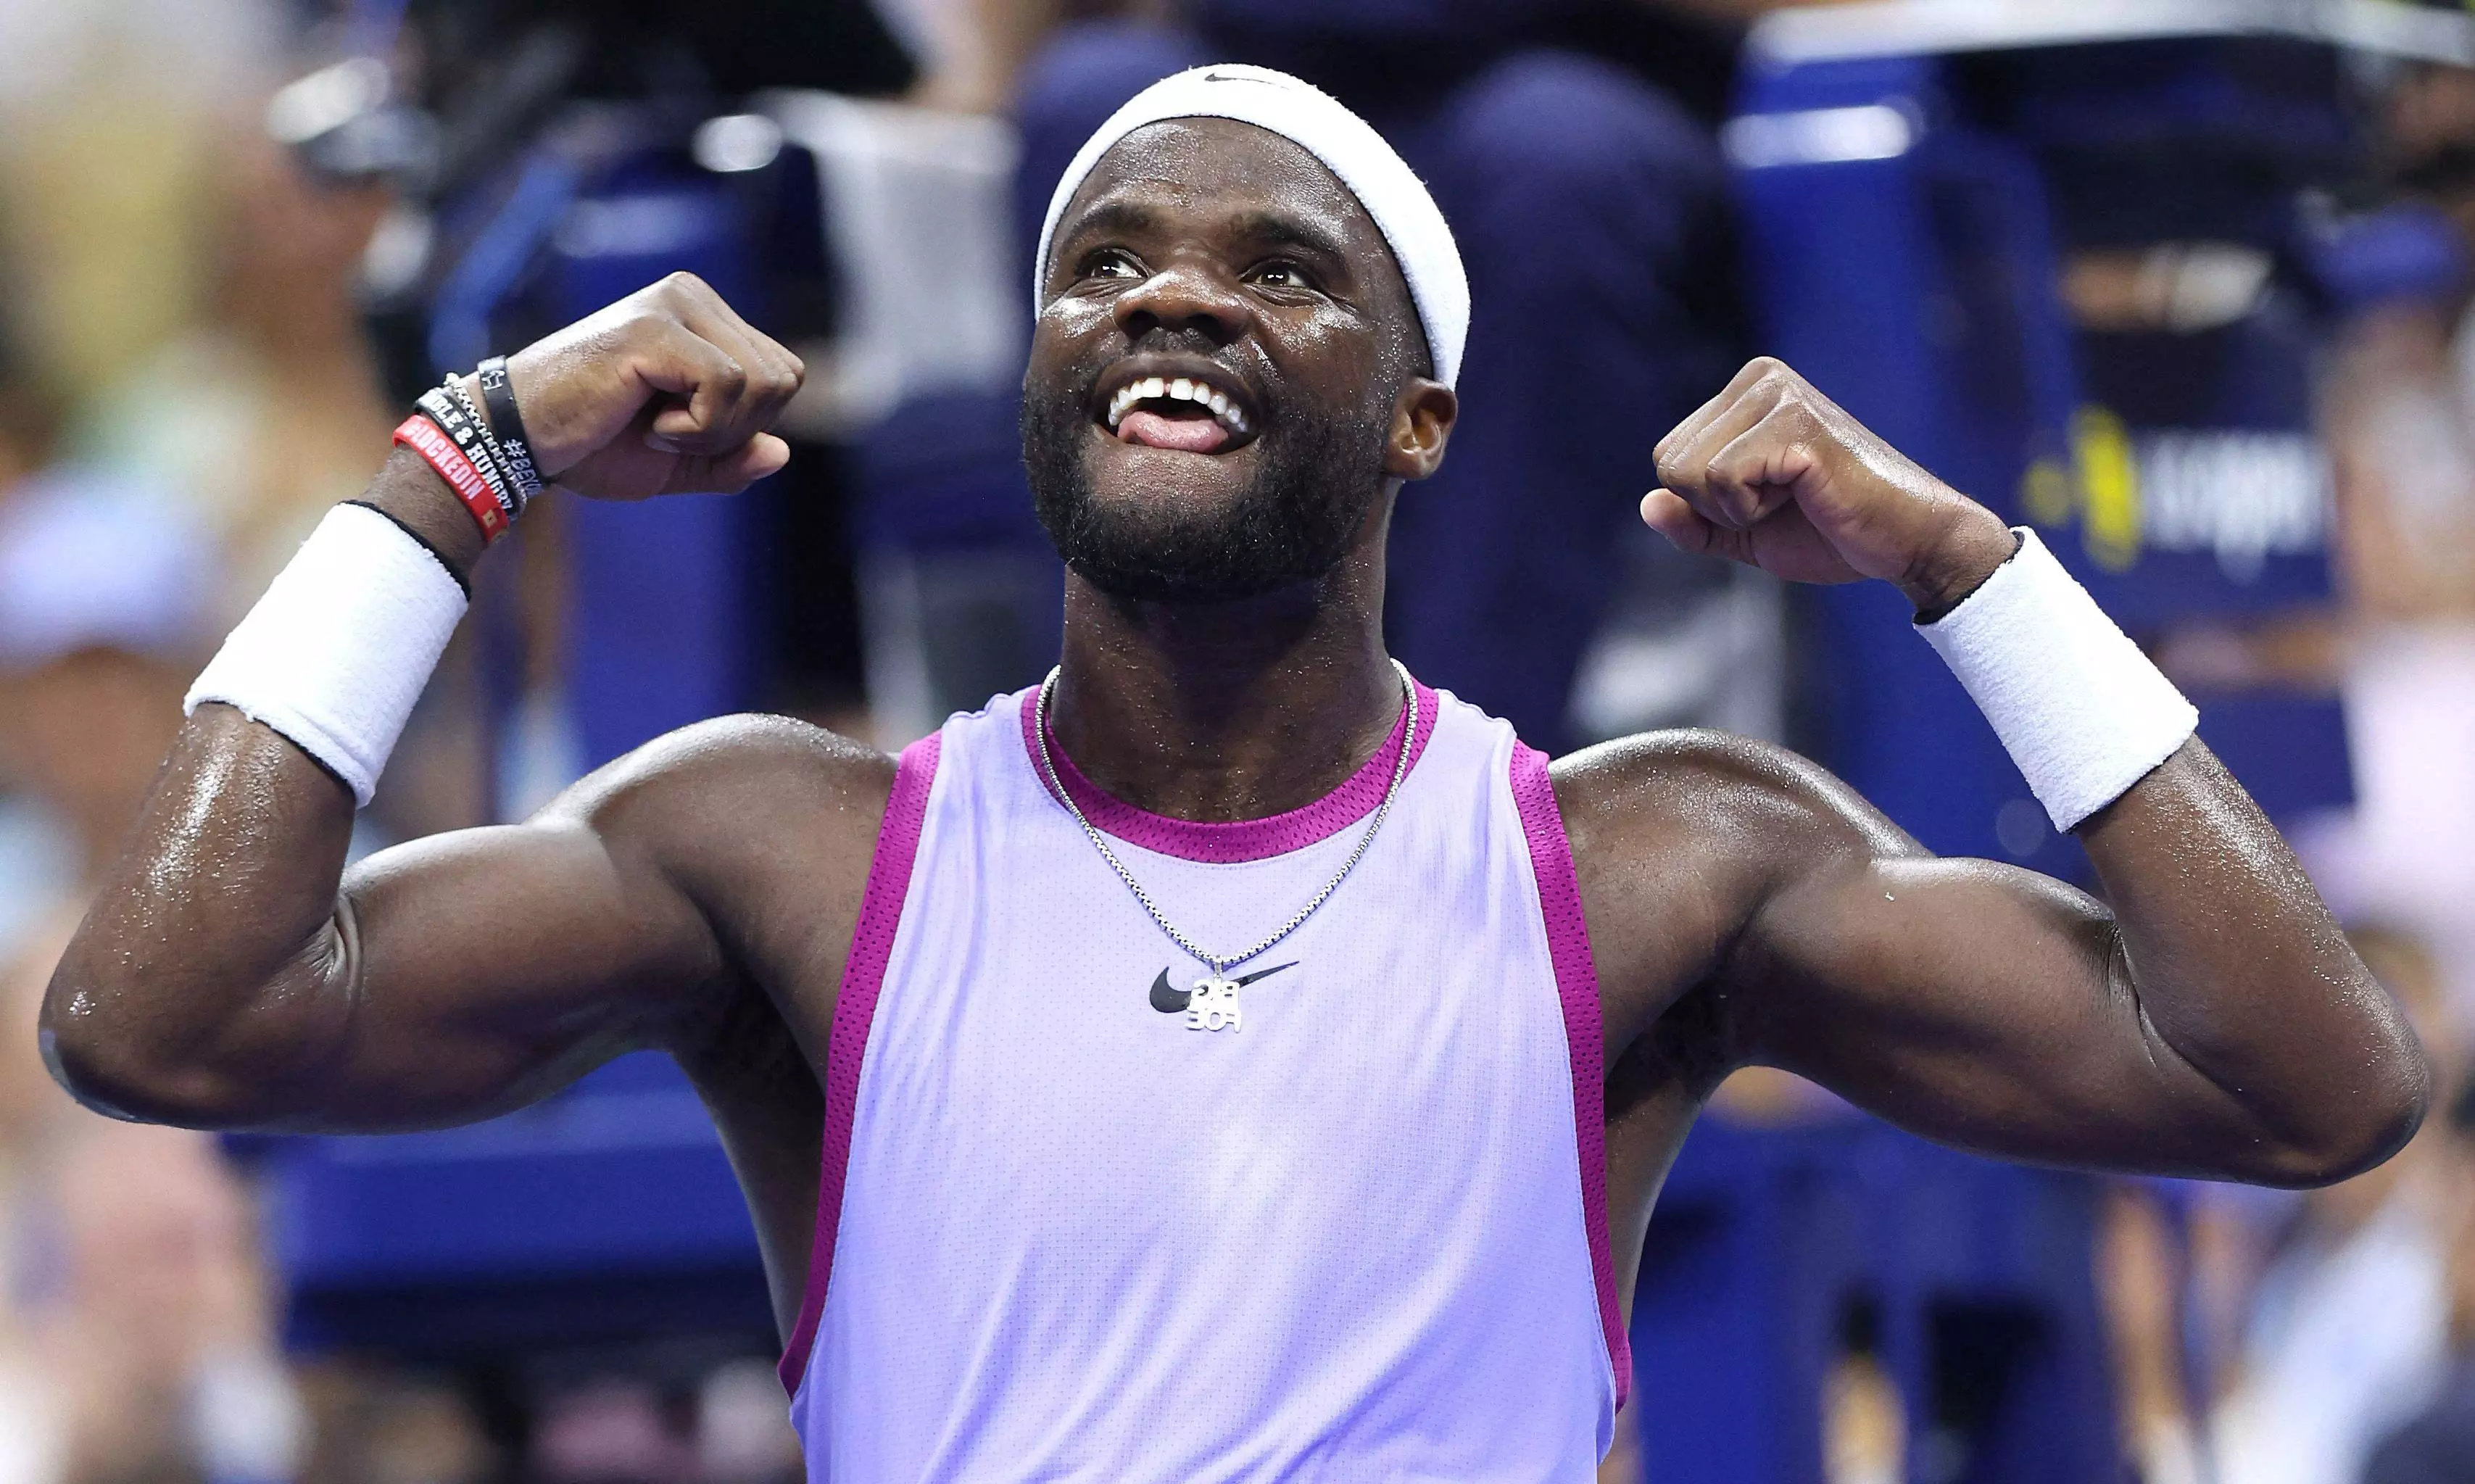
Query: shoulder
x=735, y=784
x=1678, y=838
x=1716, y=792
x=767, y=827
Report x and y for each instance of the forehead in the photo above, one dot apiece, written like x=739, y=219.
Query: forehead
x=1202, y=173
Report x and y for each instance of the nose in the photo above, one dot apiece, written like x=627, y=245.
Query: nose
x=1185, y=296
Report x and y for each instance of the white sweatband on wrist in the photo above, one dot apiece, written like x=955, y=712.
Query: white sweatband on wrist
x=2081, y=711
x=339, y=649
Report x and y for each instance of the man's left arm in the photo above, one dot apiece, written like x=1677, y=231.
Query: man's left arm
x=2212, y=1022
x=2209, y=1019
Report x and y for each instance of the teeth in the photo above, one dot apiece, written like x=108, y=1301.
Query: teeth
x=1179, y=389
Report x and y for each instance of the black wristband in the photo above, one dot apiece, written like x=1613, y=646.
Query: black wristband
x=510, y=489
x=420, y=540
x=507, y=424
x=442, y=407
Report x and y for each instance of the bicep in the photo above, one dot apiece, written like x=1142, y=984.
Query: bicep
x=1974, y=1002
x=473, y=972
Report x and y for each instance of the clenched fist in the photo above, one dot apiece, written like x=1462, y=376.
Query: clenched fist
x=666, y=392
x=1772, y=473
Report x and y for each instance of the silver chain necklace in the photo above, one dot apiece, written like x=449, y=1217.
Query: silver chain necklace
x=1213, y=1003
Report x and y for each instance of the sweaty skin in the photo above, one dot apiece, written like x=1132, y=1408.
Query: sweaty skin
x=1744, y=907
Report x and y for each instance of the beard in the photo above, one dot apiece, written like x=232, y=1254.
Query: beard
x=1315, y=480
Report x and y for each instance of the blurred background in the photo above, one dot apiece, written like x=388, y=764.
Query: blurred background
x=2183, y=282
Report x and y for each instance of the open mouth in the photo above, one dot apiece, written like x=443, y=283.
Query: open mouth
x=1184, y=407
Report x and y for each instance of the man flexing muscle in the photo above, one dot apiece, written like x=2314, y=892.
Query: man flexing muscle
x=1231, y=1060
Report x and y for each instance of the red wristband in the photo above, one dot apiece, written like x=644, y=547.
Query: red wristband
x=439, y=452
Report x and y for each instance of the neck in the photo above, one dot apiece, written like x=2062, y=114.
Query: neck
x=1213, y=712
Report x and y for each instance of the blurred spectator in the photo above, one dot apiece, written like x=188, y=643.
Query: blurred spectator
x=266, y=412
x=139, y=1302
x=154, y=252
x=180, y=292
x=186, y=304
x=2348, y=1328
x=264, y=409
x=619, y=1430
x=974, y=50
x=741, y=1435
x=112, y=114
x=373, y=1426
x=2142, y=1275
x=102, y=588
x=2401, y=431
x=611, y=1431
x=2438, y=1447
x=2342, y=1330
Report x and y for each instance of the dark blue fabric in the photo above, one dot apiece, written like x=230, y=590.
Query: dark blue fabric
x=2408, y=252
x=1591, y=216
x=2438, y=1447
x=943, y=472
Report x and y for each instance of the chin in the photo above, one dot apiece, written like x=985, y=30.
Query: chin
x=1155, y=528
x=1161, y=524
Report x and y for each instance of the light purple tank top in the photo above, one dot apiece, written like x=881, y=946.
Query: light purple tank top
x=1068, y=1232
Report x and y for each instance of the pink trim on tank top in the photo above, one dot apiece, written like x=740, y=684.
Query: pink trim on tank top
x=1232, y=843
x=880, y=912
x=1577, y=985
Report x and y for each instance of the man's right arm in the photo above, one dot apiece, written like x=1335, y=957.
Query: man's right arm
x=231, y=974
x=228, y=975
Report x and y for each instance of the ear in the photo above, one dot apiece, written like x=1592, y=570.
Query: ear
x=1422, y=424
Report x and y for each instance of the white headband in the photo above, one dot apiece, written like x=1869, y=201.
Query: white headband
x=1348, y=146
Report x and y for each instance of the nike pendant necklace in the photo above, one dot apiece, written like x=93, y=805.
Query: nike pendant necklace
x=1212, y=1004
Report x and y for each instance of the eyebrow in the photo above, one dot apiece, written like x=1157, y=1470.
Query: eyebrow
x=1266, y=229
x=1111, y=217
x=1255, y=229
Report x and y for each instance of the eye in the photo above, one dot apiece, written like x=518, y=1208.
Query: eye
x=1112, y=263
x=1280, y=273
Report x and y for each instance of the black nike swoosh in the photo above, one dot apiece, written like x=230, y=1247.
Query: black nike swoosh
x=1169, y=1000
